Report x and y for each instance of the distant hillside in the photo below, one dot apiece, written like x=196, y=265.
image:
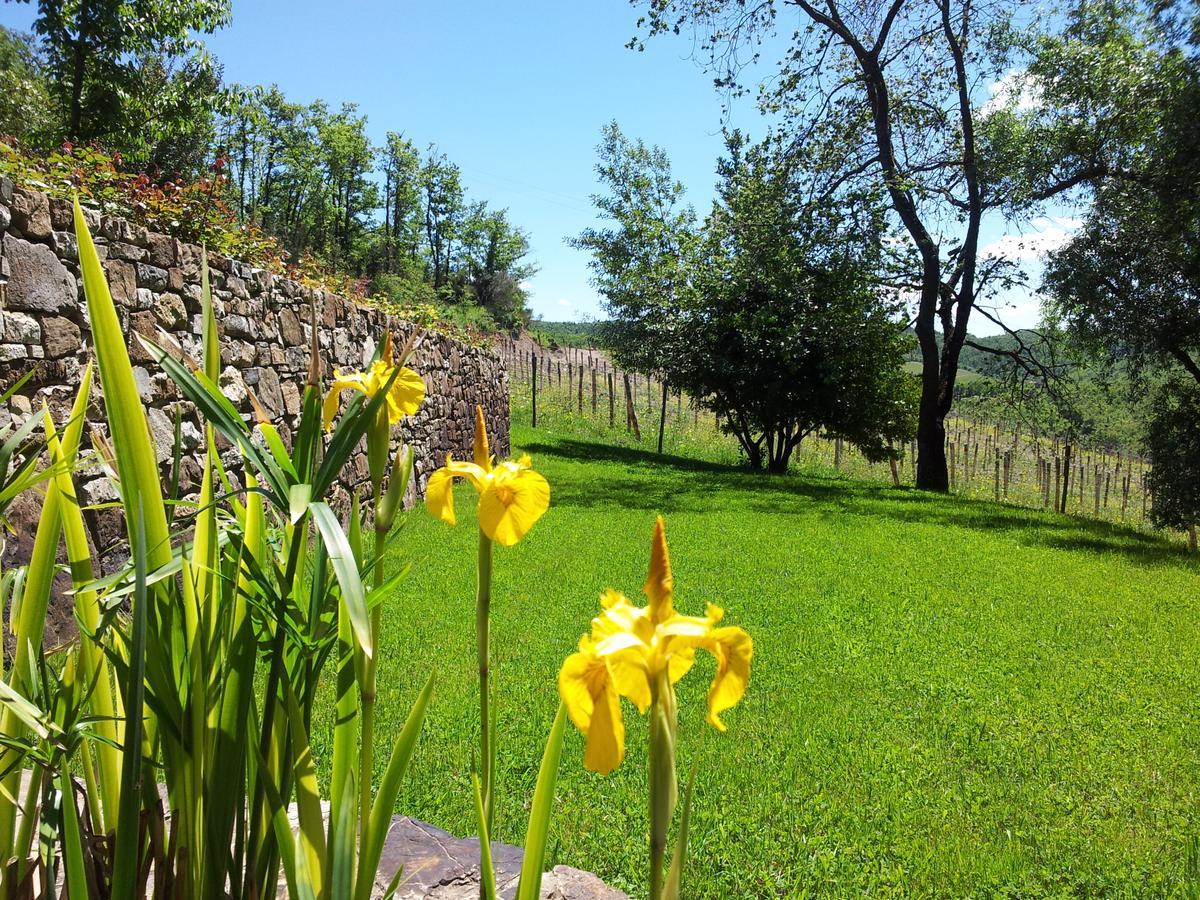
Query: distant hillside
x=980, y=362
x=564, y=334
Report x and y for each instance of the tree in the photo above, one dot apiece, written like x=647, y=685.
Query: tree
x=1128, y=283
x=24, y=90
x=785, y=331
x=443, y=212
x=768, y=313
x=639, y=264
x=493, y=255
x=402, y=210
x=890, y=90
x=111, y=60
x=1173, y=442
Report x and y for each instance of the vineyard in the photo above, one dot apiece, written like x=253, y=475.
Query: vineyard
x=988, y=461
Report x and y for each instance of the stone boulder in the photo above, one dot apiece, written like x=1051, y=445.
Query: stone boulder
x=37, y=280
x=439, y=866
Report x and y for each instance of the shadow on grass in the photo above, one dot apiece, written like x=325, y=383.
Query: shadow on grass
x=670, y=483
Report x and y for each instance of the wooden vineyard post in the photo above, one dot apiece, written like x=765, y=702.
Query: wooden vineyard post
x=662, y=417
x=558, y=368
x=593, y=390
x=631, y=420
x=953, y=467
x=997, y=453
x=581, y=388
x=1007, y=471
x=535, y=368
x=895, y=465
x=837, y=454
x=612, y=402
x=1096, y=489
x=1057, y=481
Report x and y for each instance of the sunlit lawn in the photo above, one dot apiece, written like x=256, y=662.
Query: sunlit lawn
x=949, y=698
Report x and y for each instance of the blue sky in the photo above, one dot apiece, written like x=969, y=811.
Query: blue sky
x=515, y=94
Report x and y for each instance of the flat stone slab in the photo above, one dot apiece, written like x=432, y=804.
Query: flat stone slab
x=439, y=866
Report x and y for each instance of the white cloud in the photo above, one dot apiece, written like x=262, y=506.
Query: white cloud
x=1014, y=90
x=564, y=302
x=1048, y=233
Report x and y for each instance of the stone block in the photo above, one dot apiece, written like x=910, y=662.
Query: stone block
x=123, y=250
x=37, y=280
x=152, y=277
x=162, y=251
x=31, y=214
x=62, y=214
x=60, y=336
x=65, y=245
x=122, y=281
x=20, y=328
x=171, y=312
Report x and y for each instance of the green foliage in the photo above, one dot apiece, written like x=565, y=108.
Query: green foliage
x=143, y=125
x=190, y=210
x=769, y=312
x=24, y=88
x=214, y=636
x=640, y=263
x=566, y=334
x=1173, y=442
x=132, y=76
x=1128, y=284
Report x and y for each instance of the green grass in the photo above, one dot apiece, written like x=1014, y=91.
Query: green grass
x=949, y=697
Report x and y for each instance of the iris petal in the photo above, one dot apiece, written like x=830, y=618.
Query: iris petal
x=511, y=503
x=594, y=708
x=406, y=394
x=733, y=649
x=439, y=496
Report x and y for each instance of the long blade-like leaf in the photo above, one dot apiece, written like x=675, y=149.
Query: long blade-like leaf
x=125, y=865
x=341, y=556
x=137, y=462
x=487, y=870
x=674, y=882
x=371, y=843
x=534, y=863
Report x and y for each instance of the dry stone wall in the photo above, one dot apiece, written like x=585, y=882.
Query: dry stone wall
x=264, y=321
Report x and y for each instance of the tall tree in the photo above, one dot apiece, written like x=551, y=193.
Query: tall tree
x=24, y=90
x=111, y=60
x=403, y=196
x=494, y=259
x=640, y=258
x=444, y=209
x=894, y=90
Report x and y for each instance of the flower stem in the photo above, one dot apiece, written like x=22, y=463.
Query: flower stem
x=662, y=780
x=483, y=603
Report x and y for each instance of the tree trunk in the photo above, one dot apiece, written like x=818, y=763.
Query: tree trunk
x=932, y=472
x=662, y=416
x=1066, y=479
x=79, y=68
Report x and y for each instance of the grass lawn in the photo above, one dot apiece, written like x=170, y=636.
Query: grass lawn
x=949, y=698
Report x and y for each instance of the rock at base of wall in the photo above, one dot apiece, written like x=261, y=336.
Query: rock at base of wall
x=439, y=866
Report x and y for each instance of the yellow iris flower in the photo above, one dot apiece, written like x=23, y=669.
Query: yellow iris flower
x=641, y=652
x=511, y=495
x=403, y=398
